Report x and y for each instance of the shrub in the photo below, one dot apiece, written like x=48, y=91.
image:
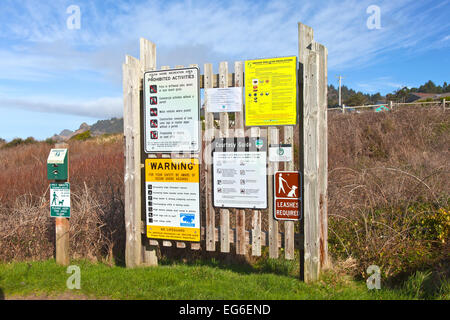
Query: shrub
x=82, y=136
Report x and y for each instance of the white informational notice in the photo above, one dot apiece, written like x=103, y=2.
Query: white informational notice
x=240, y=180
x=280, y=153
x=172, y=110
x=224, y=99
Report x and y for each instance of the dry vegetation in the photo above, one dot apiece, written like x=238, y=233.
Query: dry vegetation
x=388, y=194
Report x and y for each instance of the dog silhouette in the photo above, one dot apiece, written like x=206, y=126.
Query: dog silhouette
x=291, y=193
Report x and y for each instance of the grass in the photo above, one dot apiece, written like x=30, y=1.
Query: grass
x=198, y=281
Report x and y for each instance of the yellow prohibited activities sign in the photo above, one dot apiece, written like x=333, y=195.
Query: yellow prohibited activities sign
x=271, y=92
x=172, y=192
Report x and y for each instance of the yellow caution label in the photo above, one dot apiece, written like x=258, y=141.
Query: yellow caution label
x=172, y=170
x=173, y=233
x=271, y=92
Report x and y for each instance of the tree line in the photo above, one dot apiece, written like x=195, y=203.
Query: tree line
x=351, y=97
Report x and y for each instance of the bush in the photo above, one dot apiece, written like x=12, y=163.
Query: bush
x=82, y=136
x=18, y=141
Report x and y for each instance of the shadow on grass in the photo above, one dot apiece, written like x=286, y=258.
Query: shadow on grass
x=232, y=262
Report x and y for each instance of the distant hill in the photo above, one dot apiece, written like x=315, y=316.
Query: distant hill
x=114, y=125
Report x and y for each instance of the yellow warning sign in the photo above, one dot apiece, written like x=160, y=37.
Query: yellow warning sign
x=172, y=199
x=271, y=92
x=172, y=170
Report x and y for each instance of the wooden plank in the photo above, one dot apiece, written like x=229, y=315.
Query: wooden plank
x=256, y=217
x=310, y=62
x=273, y=138
x=215, y=81
x=241, y=247
x=224, y=133
x=208, y=136
x=132, y=137
x=167, y=243
x=195, y=245
x=147, y=63
x=288, y=138
x=323, y=155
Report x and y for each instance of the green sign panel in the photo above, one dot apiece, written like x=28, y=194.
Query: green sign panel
x=60, y=200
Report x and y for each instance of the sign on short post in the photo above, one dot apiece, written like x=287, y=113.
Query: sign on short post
x=287, y=199
x=60, y=200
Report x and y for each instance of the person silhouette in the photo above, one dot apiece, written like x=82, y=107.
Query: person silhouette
x=280, y=183
x=55, y=197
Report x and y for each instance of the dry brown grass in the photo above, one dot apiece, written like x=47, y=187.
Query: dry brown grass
x=96, y=224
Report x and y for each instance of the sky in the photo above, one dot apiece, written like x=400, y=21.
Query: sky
x=61, y=61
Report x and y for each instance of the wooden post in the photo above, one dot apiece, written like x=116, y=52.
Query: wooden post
x=132, y=137
x=309, y=60
x=209, y=136
x=288, y=138
x=148, y=63
x=224, y=133
x=133, y=69
x=273, y=138
x=62, y=225
x=391, y=105
x=323, y=155
x=256, y=218
x=443, y=104
x=241, y=248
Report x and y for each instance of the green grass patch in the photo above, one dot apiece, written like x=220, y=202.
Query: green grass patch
x=197, y=281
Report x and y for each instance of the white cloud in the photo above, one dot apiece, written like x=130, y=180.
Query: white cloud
x=97, y=108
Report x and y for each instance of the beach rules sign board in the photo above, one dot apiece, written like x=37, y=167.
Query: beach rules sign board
x=172, y=110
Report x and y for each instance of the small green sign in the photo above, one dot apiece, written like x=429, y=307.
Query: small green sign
x=60, y=200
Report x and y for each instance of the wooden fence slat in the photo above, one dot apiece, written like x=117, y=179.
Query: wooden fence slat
x=194, y=245
x=224, y=133
x=288, y=138
x=208, y=136
x=148, y=63
x=323, y=155
x=133, y=246
x=256, y=218
x=273, y=138
x=241, y=247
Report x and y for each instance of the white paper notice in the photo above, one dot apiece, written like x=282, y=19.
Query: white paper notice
x=224, y=99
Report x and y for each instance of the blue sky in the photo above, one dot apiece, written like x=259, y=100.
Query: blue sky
x=54, y=78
